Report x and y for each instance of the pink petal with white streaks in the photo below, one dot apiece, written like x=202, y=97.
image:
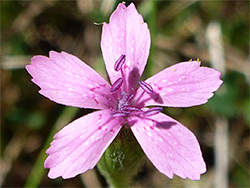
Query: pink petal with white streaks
x=79, y=145
x=169, y=145
x=65, y=79
x=182, y=85
x=126, y=34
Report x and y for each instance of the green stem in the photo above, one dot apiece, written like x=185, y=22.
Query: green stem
x=122, y=160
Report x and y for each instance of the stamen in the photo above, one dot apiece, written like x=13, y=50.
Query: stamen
x=153, y=111
x=120, y=62
x=130, y=97
x=116, y=85
x=146, y=87
x=130, y=108
x=119, y=114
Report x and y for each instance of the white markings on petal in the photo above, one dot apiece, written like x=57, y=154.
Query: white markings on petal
x=84, y=95
x=149, y=134
x=169, y=89
x=170, y=155
x=68, y=73
x=110, y=49
x=160, y=139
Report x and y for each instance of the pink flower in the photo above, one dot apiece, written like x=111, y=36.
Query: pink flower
x=125, y=43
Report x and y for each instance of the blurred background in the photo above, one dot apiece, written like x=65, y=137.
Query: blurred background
x=216, y=32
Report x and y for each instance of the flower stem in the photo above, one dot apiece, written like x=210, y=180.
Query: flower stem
x=122, y=160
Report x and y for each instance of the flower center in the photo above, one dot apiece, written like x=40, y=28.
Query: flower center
x=125, y=101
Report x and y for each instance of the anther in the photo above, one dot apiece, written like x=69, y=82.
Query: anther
x=130, y=108
x=146, y=87
x=152, y=111
x=119, y=114
x=130, y=97
x=120, y=62
x=116, y=85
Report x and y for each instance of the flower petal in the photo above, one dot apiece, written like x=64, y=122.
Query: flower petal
x=79, y=145
x=65, y=79
x=169, y=145
x=182, y=85
x=126, y=34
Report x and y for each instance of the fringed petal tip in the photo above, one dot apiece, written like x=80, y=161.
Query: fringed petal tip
x=126, y=34
x=170, y=146
x=184, y=84
x=65, y=79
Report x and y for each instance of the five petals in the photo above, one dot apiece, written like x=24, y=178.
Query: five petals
x=65, y=79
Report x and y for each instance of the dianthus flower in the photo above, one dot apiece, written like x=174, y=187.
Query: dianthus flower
x=125, y=44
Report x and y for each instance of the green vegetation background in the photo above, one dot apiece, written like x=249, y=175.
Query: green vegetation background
x=178, y=31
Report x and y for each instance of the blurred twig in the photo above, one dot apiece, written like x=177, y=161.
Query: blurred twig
x=175, y=8
x=221, y=152
x=215, y=48
x=11, y=153
x=234, y=59
x=85, y=6
x=90, y=179
x=38, y=170
x=216, y=53
x=26, y=17
x=107, y=6
x=237, y=154
x=14, y=62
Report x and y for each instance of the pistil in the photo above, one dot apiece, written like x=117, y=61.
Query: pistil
x=124, y=106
